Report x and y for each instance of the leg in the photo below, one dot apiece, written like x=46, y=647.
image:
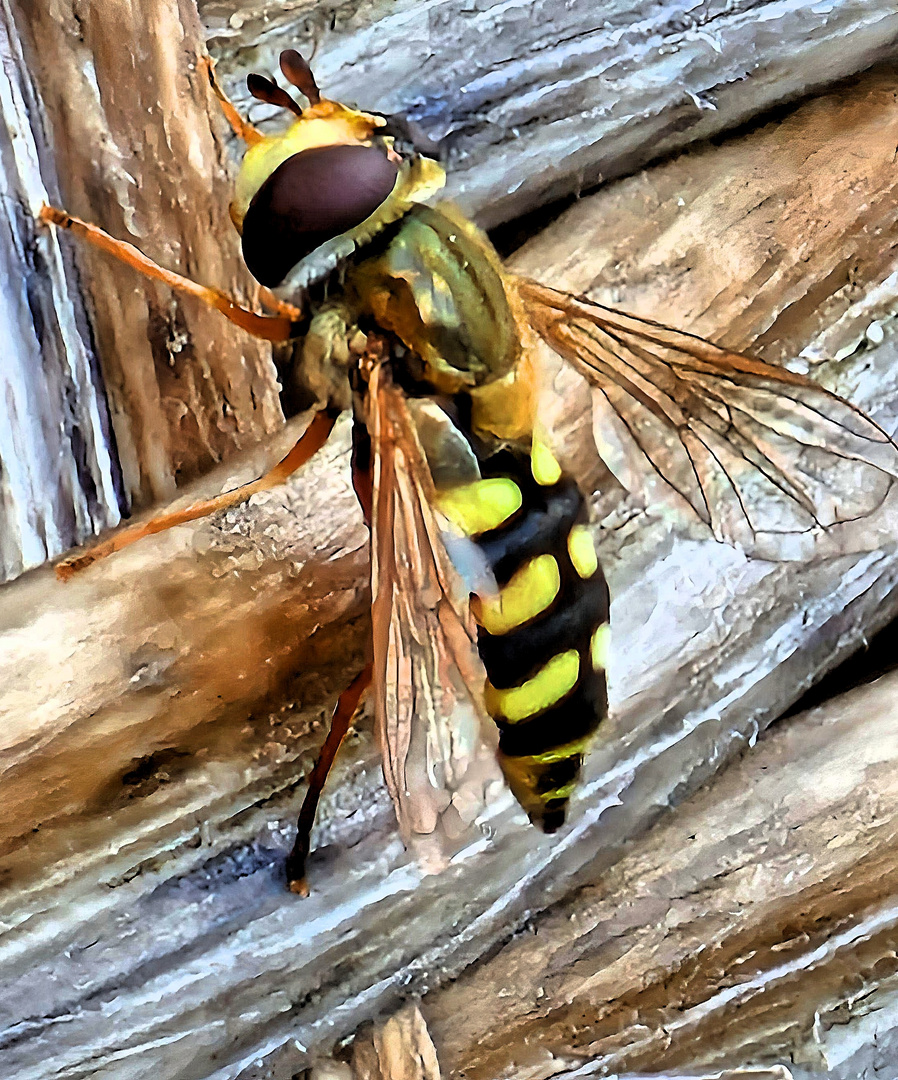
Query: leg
x=362, y=475
x=313, y=438
x=276, y=304
x=349, y=699
x=243, y=129
x=270, y=327
x=342, y=719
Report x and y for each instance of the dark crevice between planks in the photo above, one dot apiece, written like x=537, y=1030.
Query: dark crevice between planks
x=877, y=658
x=513, y=234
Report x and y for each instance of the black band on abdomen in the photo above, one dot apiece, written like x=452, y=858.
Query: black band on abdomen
x=511, y=658
x=574, y=719
x=542, y=525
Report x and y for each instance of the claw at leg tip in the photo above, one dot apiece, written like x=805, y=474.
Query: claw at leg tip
x=299, y=886
x=50, y=215
x=67, y=569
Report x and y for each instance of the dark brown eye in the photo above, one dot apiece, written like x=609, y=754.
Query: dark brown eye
x=312, y=197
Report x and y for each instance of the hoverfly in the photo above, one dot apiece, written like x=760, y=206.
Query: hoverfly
x=487, y=593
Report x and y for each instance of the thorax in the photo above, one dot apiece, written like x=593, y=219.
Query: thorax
x=434, y=282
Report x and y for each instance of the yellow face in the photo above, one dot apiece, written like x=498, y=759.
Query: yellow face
x=326, y=123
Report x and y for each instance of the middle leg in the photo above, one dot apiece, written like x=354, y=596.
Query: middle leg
x=313, y=438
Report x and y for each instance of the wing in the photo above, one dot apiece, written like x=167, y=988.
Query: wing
x=438, y=744
x=766, y=458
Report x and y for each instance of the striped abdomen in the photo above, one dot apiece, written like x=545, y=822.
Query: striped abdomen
x=544, y=638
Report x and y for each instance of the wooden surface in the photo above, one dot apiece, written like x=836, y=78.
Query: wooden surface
x=756, y=925
x=59, y=478
x=528, y=102
x=132, y=124
x=535, y=99
x=154, y=741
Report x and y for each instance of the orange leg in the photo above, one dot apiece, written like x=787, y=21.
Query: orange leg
x=340, y=724
x=279, y=327
x=243, y=129
x=282, y=307
x=313, y=438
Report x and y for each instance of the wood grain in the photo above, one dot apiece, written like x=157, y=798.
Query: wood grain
x=756, y=925
x=132, y=121
x=59, y=477
x=533, y=100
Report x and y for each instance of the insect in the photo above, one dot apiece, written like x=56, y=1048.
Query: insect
x=488, y=598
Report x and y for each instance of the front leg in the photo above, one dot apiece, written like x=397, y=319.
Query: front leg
x=280, y=327
x=243, y=129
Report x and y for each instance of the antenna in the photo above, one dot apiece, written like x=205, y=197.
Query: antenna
x=269, y=91
x=298, y=73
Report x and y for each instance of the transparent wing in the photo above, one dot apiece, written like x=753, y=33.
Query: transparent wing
x=438, y=745
x=766, y=458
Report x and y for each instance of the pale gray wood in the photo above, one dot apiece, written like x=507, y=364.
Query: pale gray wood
x=134, y=131
x=532, y=101
x=150, y=776
x=754, y=927
x=59, y=476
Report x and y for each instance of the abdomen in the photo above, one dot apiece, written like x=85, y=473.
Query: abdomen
x=544, y=638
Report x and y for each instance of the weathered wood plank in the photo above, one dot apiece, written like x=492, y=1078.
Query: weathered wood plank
x=480, y=78
x=132, y=121
x=59, y=479
x=755, y=925
x=537, y=100
x=163, y=663
x=148, y=931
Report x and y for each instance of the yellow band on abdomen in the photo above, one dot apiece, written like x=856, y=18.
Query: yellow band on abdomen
x=546, y=470
x=483, y=505
x=530, y=591
x=582, y=551
x=550, y=684
x=599, y=645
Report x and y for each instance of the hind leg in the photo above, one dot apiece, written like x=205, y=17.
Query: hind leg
x=348, y=701
x=344, y=711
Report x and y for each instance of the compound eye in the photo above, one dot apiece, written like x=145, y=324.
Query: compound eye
x=310, y=198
